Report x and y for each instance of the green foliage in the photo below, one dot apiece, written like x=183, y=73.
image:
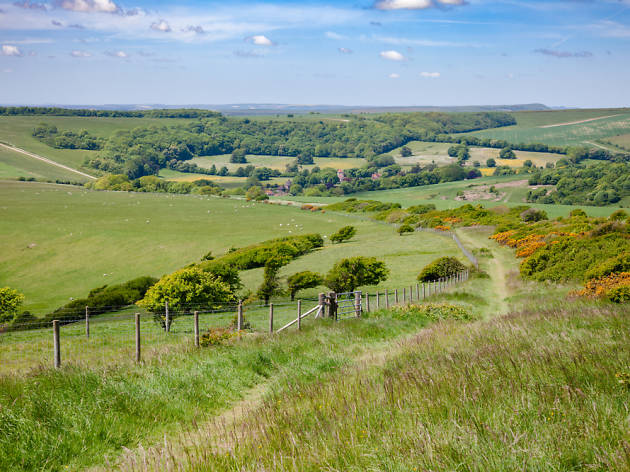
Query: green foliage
x=571, y=258
x=491, y=163
x=153, y=184
x=597, y=185
x=238, y=156
x=421, y=209
x=10, y=302
x=257, y=255
x=352, y=205
x=618, y=215
x=441, y=268
x=216, y=337
x=620, y=263
x=619, y=295
x=51, y=136
x=431, y=311
x=405, y=152
x=183, y=289
x=305, y=159
x=225, y=273
x=533, y=214
x=256, y=193
x=507, y=153
x=349, y=274
x=405, y=228
x=303, y=280
x=271, y=283
x=344, y=234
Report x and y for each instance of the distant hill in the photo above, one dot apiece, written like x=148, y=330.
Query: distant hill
x=278, y=108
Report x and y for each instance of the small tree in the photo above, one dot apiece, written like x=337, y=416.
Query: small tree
x=256, y=193
x=406, y=228
x=344, y=234
x=491, y=163
x=271, y=282
x=239, y=156
x=348, y=274
x=405, y=152
x=532, y=214
x=305, y=159
x=303, y=280
x=507, y=153
x=10, y=302
x=440, y=268
x=190, y=286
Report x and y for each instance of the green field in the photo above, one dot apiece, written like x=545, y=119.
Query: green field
x=562, y=128
x=83, y=239
x=14, y=165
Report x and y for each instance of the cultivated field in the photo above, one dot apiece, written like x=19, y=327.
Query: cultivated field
x=561, y=128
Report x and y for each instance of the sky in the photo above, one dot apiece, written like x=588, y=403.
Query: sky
x=359, y=52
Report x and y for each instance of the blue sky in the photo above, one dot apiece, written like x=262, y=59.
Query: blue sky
x=361, y=52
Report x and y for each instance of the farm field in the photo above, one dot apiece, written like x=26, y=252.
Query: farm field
x=14, y=164
x=275, y=162
x=84, y=239
x=623, y=140
x=562, y=128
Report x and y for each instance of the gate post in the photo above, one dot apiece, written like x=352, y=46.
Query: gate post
x=332, y=305
x=357, y=304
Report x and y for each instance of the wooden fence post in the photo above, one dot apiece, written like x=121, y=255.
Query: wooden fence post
x=321, y=301
x=56, y=345
x=196, y=322
x=167, y=321
x=386, y=299
x=378, y=300
x=424, y=292
x=138, y=337
x=239, y=316
x=418, y=292
x=411, y=293
x=396, y=296
x=299, y=313
x=357, y=304
x=271, y=317
x=367, y=302
x=87, y=322
x=404, y=295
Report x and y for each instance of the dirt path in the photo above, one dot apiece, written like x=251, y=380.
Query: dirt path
x=46, y=160
x=578, y=122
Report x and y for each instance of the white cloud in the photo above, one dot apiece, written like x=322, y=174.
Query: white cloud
x=77, y=53
x=260, y=40
x=162, y=26
x=394, y=76
x=10, y=50
x=414, y=4
x=333, y=35
x=430, y=75
x=89, y=6
x=392, y=56
x=345, y=50
x=119, y=54
x=420, y=42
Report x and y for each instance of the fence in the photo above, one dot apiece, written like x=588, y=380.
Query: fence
x=128, y=336
x=469, y=255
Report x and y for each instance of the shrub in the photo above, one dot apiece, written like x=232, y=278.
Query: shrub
x=344, y=234
x=256, y=193
x=271, y=284
x=421, y=209
x=533, y=214
x=303, y=280
x=406, y=228
x=613, y=287
x=440, y=268
x=432, y=311
x=216, y=336
x=491, y=163
x=578, y=213
x=621, y=263
x=348, y=274
x=10, y=302
x=619, y=294
x=507, y=153
x=618, y=215
x=238, y=156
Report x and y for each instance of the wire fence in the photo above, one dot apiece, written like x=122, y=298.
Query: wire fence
x=127, y=335
x=469, y=255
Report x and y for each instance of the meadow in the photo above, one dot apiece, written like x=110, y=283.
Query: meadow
x=60, y=242
x=563, y=128
x=14, y=165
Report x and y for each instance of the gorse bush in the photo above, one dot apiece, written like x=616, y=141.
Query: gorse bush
x=441, y=268
x=344, y=234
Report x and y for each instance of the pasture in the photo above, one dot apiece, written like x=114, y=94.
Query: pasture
x=60, y=242
x=14, y=165
x=563, y=128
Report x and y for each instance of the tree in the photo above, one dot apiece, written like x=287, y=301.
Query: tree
x=223, y=171
x=256, y=193
x=303, y=280
x=491, y=163
x=533, y=214
x=344, y=234
x=186, y=287
x=507, y=153
x=271, y=283
x=348, y=274
x=440, y=268
x=406, y=228
x=305, y=159
x=528, y=163
x=238, y=156
x=10, y=302
x=405, y=152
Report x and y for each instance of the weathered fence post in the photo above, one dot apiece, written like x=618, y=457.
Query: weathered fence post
x=56, y=345
x=332, y=305
x=357, y=304
x=138, y=337
x=417, y=291
x=367, y=302
x=378, y=300
x=239, y=316
x=196, y=323
x=167, y=321
x=386, y=299
x=410, y=293
x=424, y=293
x=321, y=301
x=404, y=295
x=271, y=317
x=87, y=322
x=396, y=296
x=299, y=313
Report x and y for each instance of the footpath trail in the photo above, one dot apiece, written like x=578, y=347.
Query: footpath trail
x=45, y=159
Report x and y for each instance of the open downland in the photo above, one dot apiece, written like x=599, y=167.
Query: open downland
x=83, y=239
x=14, y=165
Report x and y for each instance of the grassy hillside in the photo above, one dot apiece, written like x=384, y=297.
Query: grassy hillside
x=82, y=239
x=14, y=165
x=567, y=127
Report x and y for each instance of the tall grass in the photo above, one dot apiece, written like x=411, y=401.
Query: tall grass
x=535, y=390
